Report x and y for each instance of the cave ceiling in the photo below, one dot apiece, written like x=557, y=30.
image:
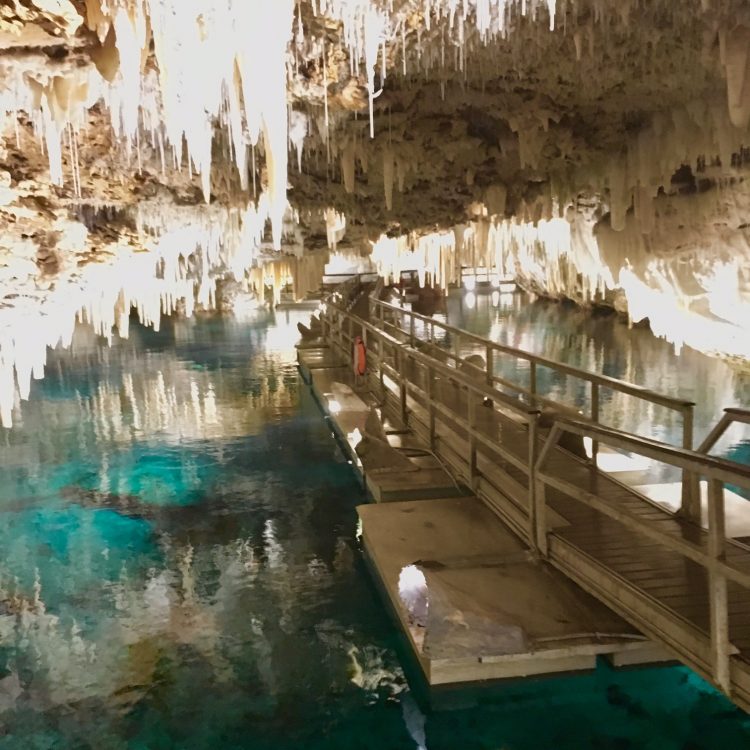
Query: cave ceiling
x=474, y=110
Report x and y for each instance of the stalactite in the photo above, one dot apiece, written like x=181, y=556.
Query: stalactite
x=185, y=250
x=388, y=174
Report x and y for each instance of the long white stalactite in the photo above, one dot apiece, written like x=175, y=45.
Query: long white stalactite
x=231, y=57
x=183, y=252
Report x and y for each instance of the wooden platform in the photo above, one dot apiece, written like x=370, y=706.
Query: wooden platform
x=494, y=611
x=333, y=386
x=610, y=529
x=658, y=590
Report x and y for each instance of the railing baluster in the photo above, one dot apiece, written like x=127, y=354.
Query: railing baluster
x=535, y=510
x=717, y=584
x=471, y=435
x=490, y=357
x=431, y=405
x=595, y=420
x=691, y=501
x=716, y=433
x=402, y=385
x=532, y=381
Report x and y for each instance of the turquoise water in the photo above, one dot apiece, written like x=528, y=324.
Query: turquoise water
x=180, y=569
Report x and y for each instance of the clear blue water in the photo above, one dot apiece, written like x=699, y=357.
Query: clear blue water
x=179, y=569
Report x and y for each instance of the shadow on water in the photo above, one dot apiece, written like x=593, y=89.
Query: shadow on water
x=180, y=570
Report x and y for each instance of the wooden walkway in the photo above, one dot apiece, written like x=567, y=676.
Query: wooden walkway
x=684, y=586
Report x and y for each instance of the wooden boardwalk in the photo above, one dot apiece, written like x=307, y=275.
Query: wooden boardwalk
x=496, y=610
x=682, y=585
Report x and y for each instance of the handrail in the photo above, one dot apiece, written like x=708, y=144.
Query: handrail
x=730, y=416
x=390, y=357
x=709, y=552
x=690, y=500
x=692, y=460
x=623, y=386
x=450, y=373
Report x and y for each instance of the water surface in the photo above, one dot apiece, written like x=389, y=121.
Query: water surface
x=180, y=569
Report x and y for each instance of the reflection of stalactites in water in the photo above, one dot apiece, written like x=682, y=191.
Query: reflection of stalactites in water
x=264, y=657
x=188, y=579
x=356, y=674
x=274, y=551
x=414, y=719
x=343, y=561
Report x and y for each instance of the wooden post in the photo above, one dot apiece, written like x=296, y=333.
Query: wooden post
x=691, y=500
x=431, y=405
x=402, y=386
x=595, y=420
x=412, y=337
x=381, y=357
x=471, y=435
x=717, y=587
x=532, y=382
x=538, y=511
x=539, y=528
x=533, y=489
x=490, y=352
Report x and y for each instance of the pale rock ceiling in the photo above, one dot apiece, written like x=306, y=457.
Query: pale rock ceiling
x=180, y=127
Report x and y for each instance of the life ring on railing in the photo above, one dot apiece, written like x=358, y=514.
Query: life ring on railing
x=359, y=359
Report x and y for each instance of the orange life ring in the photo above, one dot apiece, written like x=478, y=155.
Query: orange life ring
x=360, y=356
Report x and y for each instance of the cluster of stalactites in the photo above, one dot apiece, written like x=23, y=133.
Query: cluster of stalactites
x=185, y=251
x=525, y=250
x=224, y=62
x=300, y=276
x=689, y=277
x=694, y=135
x=221, y=62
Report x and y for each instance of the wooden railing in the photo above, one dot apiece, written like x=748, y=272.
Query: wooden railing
x=731, y=416
x=415, y=375
x=386, y=313
x=718, y=471
x=489, y=466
